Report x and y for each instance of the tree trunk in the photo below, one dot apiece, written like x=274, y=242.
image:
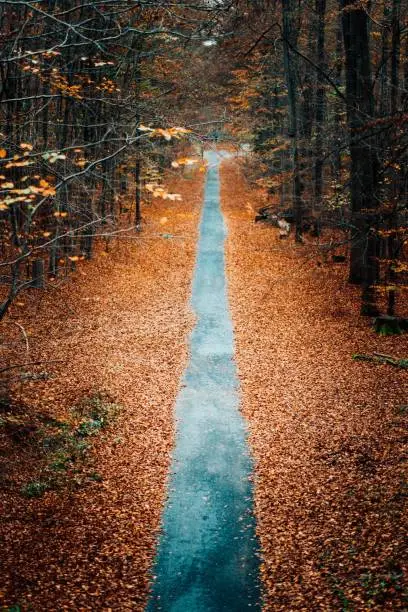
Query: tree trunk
x=290, y=36
x=338, y=105
x=138, y=180
x=38, y=274
x=320, y=105
x=360, y=109
x=395, y=54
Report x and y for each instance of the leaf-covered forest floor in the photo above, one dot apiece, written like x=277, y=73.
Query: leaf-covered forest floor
x=85, y=442
x=328, y=433
x=84, y=445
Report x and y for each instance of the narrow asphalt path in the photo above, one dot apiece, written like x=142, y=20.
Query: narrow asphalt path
x=207, y=556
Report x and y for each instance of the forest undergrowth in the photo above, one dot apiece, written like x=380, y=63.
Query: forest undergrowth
x=328, y=433
x=85, y=434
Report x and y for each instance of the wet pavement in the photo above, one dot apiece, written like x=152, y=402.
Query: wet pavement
x=207, y=557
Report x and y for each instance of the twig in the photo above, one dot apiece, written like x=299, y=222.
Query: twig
x=23, y=331
x=30, y=363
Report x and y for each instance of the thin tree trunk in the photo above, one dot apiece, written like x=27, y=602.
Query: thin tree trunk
x=290, y=36
x=320, y=105
x=338, y=105
x=395, y=54
x=138, y=180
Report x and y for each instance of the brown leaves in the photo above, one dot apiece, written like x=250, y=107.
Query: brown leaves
x=91, y=547
x=326, y=433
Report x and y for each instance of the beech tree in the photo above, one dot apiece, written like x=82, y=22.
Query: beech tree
x=363, y=174
x=84, y=120
x=290, y=36
x=319, y=91
x=90, y=94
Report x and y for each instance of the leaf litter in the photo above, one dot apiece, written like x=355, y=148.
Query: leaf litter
x=118, y=327
x=328, y=434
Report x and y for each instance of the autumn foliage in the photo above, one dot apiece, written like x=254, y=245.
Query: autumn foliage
x=106, y=110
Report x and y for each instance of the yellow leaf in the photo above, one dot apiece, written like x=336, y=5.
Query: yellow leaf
x=165, y=133
x=3, y=153
x=187, y=161
x=19, y=164
x=26, y=146
x=49, y=192
x=172, y=196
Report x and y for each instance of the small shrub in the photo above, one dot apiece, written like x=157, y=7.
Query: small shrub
x=89, y=427
x=99, y=410
x=65, y=446
x=95, y=476
x=52, y=443
x=34, y=489
x=388, y=329
x=61, y=461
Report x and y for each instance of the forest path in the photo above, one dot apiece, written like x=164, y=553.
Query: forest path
x=207, y=555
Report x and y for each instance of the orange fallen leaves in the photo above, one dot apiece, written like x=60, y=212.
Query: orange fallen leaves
x=326, y=434
x=121, y=326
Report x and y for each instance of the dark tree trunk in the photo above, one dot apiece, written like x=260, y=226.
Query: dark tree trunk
x=138, y=180
x=38, y=274
x=395, y=54
x=320, y=104
x=338, y=104
x=86, y=243
x=360, y=109
x=290, y=36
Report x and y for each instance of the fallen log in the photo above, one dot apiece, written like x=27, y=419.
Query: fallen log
x=380, y=358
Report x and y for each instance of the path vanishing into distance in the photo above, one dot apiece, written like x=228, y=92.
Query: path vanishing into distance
x=207, y=557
